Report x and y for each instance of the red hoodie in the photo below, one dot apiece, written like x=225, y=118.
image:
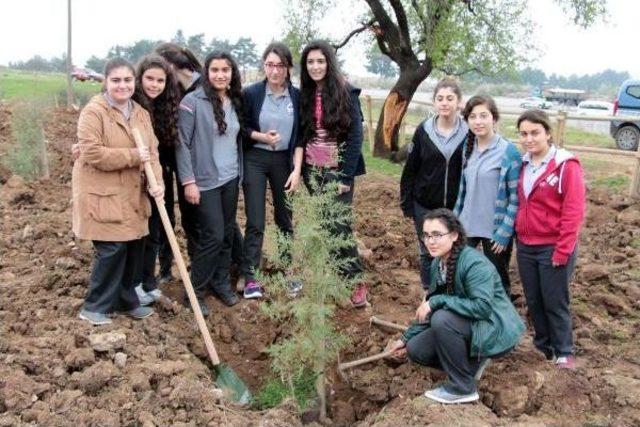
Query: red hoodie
x=554, y=210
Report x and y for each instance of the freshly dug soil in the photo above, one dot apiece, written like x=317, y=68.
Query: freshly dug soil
x=57, y=370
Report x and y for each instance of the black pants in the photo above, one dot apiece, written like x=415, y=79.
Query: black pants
x=261, y=166
x=419, y=212
x=500, y=261
x=216, y=216
x=112, y=280
x=324, y=177
x=546, y=289
x=445, y=345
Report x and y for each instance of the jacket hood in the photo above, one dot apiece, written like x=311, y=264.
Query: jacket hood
x=560, y=160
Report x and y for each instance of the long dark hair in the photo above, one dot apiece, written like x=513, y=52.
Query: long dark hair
x=234, y=91
x=179, y=56
x=283, y=52
x=453, y=225
x=164, y=108
x=336, y=101
x=472, y=103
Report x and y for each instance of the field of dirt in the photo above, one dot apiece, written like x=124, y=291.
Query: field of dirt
x=57, y=370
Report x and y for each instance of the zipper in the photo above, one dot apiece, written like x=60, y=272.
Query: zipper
x=446, y=182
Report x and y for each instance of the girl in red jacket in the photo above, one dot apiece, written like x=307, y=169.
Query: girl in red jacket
x=551, y=195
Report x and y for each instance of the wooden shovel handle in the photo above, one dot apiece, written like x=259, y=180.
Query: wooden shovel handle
x=377, y=321
x=369, y=359
x=184, y=275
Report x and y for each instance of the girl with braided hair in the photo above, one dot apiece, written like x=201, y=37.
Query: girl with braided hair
x=466, y=318
x=487, y=199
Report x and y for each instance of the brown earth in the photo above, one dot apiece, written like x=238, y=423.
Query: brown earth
x=57, y=370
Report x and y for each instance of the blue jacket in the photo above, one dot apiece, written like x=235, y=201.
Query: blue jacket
x=253, y=98
x=351, y=163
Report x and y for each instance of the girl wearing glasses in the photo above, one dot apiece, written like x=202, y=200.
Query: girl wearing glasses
x=273, y=154
x=331, y=128
x=487, y=199
x=209, y=160
x=551, y=193
x=466, y=319
x=431, y=176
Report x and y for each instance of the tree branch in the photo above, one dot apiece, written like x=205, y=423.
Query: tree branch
x=401, y=17
x=387, y=26
x=363, y=26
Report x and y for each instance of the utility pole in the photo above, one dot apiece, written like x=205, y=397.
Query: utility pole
x=70, y=96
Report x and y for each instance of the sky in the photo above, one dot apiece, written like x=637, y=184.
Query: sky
x=39, y=27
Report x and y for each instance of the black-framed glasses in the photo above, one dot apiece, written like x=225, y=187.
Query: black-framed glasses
x=436, y=237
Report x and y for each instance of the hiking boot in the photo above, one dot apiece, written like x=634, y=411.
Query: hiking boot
x=225, y=295
x=441, y=395
x=483, y=365
x=294, y=287
x=96, y=319
x=138, y=313
x=253, y=289
x=359, y=296
x=566, y=362
x=144, y=298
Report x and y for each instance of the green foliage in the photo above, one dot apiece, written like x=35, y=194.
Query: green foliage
x=38, y=63
x=301, y=388
x=302, y=18
x=25, y=156
x=312, y=258
x=380, y=64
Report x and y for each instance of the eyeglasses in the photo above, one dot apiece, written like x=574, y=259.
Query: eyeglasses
x=436, y=237
x=272, y=66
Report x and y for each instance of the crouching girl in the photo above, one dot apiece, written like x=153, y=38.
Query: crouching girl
x=466, y=318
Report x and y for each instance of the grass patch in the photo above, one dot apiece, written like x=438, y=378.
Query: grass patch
x=275, y=391
x=50, y=86
x=615, y=183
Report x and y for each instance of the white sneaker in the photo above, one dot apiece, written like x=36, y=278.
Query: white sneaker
x=156, y=294
x=145, y=299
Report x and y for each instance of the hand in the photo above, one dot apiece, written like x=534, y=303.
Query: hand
x=192, y=194
x=398, y=348
x=145, y=156
x=157, y=192
x=272, y=138
x=343, y=188
x=292, y=182
x=423, y=311
x=497, y=248
x=75, y=151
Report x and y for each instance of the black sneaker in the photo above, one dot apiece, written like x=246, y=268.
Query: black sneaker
x=227, y=297
x=203, y=306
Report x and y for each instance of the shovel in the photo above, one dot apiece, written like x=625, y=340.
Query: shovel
x=226, y=378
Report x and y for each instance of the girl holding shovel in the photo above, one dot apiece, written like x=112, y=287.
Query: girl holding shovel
x=110, y=205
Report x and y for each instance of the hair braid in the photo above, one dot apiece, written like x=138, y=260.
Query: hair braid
x=451, y=267
x=471, y=141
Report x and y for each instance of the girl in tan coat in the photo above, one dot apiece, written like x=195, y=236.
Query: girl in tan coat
x=110, y=206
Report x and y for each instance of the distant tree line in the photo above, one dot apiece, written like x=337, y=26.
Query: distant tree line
x=243, y=49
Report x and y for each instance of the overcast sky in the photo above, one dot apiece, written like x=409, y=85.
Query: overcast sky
x=30, y=27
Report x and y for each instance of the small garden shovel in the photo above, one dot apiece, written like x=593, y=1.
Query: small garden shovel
x=226, y=378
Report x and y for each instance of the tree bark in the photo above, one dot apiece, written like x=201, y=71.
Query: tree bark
x=394, y=108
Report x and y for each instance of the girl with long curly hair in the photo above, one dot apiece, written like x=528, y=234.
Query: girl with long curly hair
x=157, y=92
x=331, y=122
x=209, y=160
x=466, y=317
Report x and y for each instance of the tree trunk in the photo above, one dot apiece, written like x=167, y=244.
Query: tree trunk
x=394, y=108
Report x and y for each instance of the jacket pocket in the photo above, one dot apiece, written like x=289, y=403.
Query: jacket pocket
x=105, y=205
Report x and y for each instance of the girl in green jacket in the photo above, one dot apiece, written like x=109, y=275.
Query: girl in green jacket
x=466, y=317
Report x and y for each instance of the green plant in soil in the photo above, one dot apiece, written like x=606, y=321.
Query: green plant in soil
x=311, y=257
x=27, y=157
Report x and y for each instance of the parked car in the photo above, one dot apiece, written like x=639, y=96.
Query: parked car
x=592, y=107
x=84, y=74
x=535, y=102
x=627, y=132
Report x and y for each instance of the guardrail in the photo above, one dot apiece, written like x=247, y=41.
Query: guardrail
x=560, y=118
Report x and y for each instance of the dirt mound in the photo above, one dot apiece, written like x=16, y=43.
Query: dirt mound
x=56, y=370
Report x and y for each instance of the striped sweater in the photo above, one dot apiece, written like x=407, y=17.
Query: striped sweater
x=507, y=200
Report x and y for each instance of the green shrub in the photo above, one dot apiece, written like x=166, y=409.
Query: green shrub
x=302, y=389
x=27, y=157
